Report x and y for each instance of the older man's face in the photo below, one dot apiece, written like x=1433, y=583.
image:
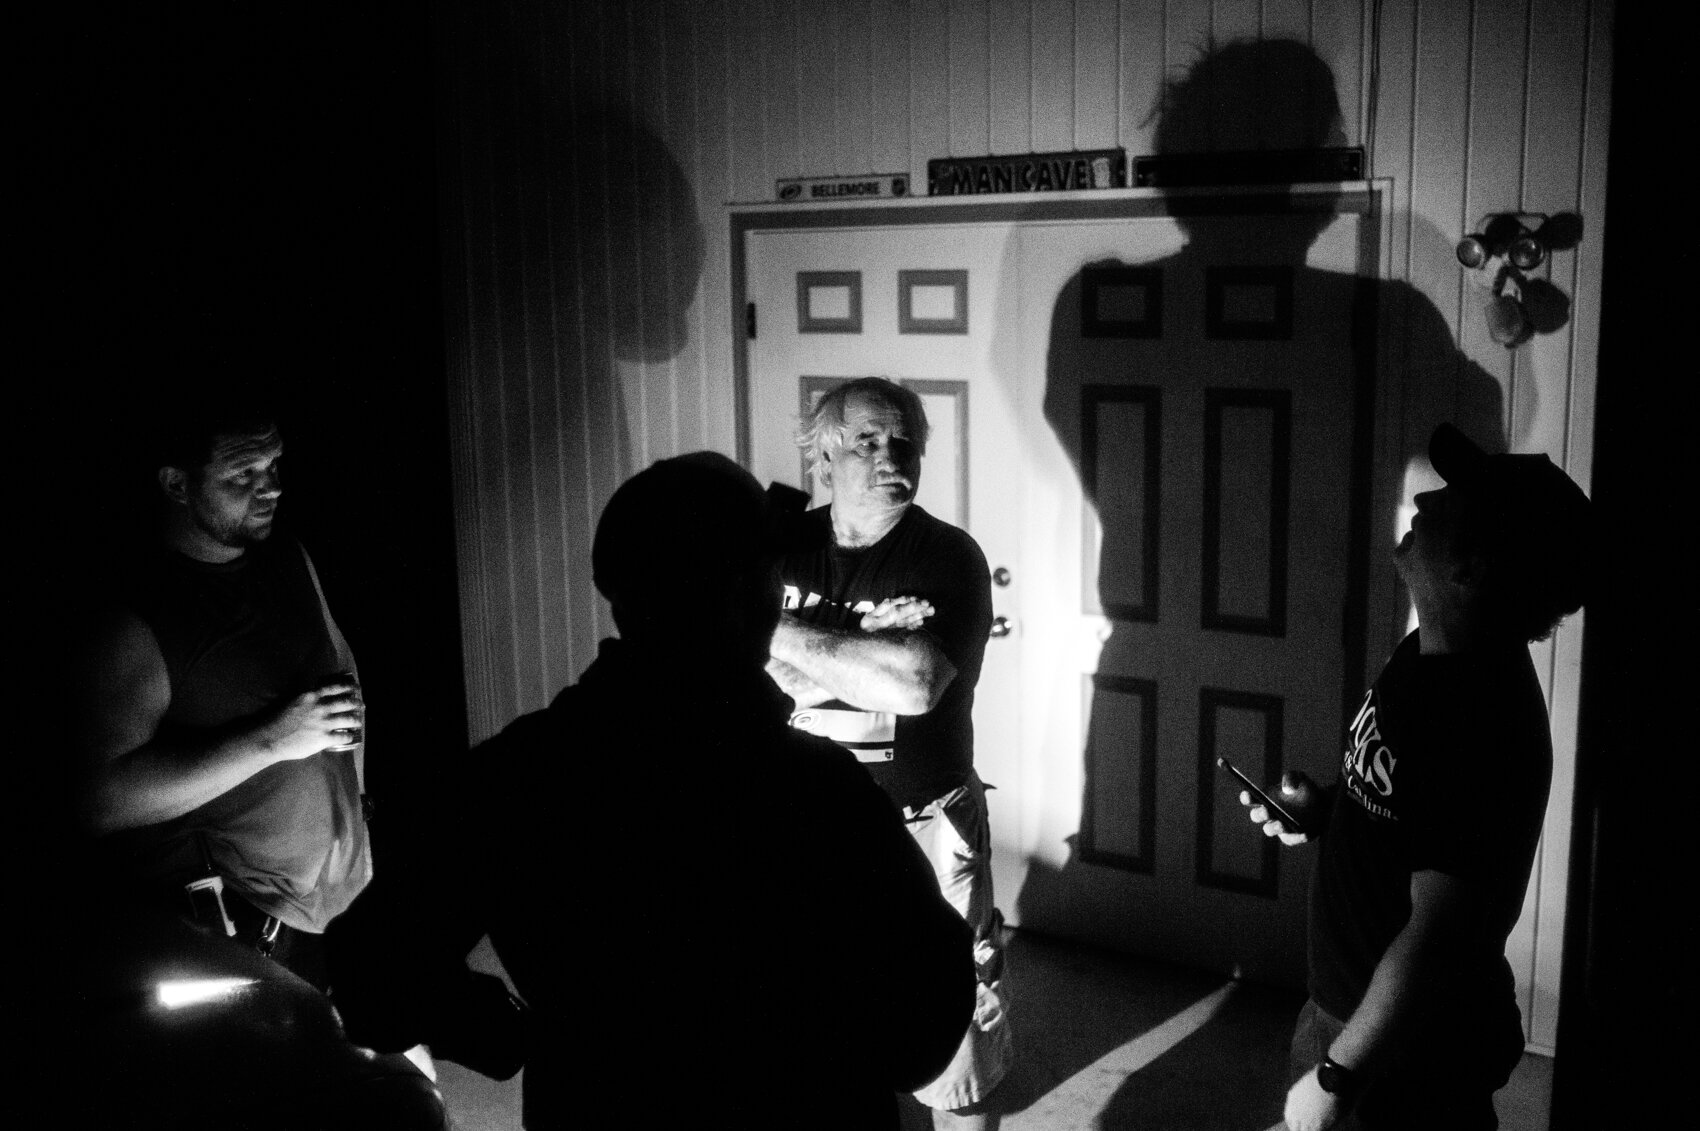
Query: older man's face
x=877, y=465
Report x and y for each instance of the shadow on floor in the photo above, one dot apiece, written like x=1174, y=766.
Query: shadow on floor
x=1105, y=1042
x=1108, y=1042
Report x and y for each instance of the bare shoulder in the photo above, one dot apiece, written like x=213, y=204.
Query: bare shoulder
x=119, y=674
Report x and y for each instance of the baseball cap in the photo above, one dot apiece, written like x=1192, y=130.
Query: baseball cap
x=1535, y=517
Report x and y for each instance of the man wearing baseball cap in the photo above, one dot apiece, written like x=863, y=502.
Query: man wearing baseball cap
x=1428, y=837
x=632, y=853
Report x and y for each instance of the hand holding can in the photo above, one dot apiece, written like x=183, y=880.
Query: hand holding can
x=353, y=734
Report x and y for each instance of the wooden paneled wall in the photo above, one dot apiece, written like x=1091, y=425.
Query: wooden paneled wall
x=589, y=150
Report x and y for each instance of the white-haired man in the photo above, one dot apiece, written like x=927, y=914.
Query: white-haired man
x=887, y=611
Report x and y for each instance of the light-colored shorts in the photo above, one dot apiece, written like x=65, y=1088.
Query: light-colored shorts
x=953, y=833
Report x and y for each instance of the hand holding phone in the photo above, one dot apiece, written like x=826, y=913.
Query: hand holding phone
x=1277, y=811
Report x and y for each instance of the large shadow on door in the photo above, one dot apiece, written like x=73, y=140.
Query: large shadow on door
x=1138, y=349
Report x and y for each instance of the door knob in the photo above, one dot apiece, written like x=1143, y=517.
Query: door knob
x=1000, y=577
x=1001, y=626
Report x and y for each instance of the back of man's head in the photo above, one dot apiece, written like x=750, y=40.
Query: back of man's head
x=1532, y=526
x=684, y=554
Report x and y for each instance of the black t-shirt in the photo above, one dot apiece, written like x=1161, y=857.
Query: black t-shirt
x=1446, y=768
x=914, y=758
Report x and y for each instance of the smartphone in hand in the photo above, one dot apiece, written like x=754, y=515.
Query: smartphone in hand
x=1276, y=809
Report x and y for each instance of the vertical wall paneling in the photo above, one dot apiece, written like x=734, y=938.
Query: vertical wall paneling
x=1097, y=72
x=1140, y=69
x=712, y=177
x=818, y=67
x=562, y=621
x=1394, y=119
x=682, y=137
x=969, y=110
x=1285, y=19
x=1440, y=120
x=583, y=341
x=659, y=240
x=1337, y=37
x=854, y=87
x=1494, y=161
x=929, y=85
x=1186, y=33
x=1234, y=19
x=888, y=80
x=548, y=419
x=782, y=61
x=748, y=42
x=1010, y=85
x=1593, y=62
x=508, y=420
x=1052, y=36
x=460, y=366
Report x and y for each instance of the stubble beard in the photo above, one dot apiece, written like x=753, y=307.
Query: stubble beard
x=238, y=535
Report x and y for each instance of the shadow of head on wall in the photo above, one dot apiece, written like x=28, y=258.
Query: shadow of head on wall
x=1255, y=100
x=598, y=192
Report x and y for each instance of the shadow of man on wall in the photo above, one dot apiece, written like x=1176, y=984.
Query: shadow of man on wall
x=1218, y=404
x=577, y=254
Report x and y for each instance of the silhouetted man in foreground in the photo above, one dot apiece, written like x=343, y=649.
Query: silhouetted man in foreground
x=1430, y=834
x=632, y=853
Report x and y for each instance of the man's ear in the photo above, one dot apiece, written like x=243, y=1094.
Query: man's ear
x=823, y=469
x=174, y=483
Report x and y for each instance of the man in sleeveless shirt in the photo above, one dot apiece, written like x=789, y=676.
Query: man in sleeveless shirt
x=1429, y=835
x=219, y=722
x=887, y=612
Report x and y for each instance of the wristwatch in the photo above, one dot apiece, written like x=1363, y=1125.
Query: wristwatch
x=1335, y=1078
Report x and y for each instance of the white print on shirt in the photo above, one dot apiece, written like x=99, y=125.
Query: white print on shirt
x=794, y=599
x=1367, y=766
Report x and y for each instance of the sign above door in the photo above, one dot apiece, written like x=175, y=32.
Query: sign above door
x=869, y=187
x=1028, y=172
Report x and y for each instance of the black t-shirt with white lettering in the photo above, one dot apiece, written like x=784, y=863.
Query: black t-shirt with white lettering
x=1446, y=768
x=914, y=758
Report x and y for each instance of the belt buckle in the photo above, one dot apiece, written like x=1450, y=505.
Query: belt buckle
x=267, y=939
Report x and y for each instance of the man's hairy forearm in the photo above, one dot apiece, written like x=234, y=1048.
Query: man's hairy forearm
x=900, y=672
x=804, y=692
x=156, y=782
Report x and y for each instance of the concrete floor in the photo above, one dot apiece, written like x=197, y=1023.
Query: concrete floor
x=1105, y=1042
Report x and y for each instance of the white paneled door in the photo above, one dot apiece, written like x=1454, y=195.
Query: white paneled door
x=1149, y=425
x=927, y=307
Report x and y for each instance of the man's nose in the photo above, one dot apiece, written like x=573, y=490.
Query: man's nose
x=271, y=486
